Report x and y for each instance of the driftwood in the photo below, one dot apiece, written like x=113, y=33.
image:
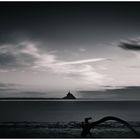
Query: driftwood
x=87, y=126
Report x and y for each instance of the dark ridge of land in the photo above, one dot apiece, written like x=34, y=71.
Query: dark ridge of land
x=30, y=98
x=63, y=99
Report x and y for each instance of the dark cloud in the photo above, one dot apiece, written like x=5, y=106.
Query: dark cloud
x=7, y=60
x=5, y=85
x=31, y=94
x=133, y=44
x=16, y=56
x=122, y=93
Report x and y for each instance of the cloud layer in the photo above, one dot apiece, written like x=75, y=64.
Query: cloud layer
x=132, y=44
x=27, y=55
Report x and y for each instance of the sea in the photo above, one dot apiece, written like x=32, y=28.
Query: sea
x=66, y=110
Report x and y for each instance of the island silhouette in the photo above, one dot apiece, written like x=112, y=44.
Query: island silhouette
x=69, y=96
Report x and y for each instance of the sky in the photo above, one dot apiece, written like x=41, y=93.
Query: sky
x=54, y=47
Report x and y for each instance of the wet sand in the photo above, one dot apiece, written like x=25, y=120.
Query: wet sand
x=64, y=130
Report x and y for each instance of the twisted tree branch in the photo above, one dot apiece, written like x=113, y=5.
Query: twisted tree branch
x=88, y=126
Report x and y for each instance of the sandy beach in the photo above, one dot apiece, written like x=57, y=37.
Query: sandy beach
x=108, y=129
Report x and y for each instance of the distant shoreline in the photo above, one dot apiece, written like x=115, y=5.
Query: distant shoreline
x=61, y=99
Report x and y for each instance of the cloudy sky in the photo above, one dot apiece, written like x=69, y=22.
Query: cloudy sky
x=73, y=45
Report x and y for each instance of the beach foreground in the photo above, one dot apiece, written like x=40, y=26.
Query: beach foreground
x=62, y=119
x=108, y=129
